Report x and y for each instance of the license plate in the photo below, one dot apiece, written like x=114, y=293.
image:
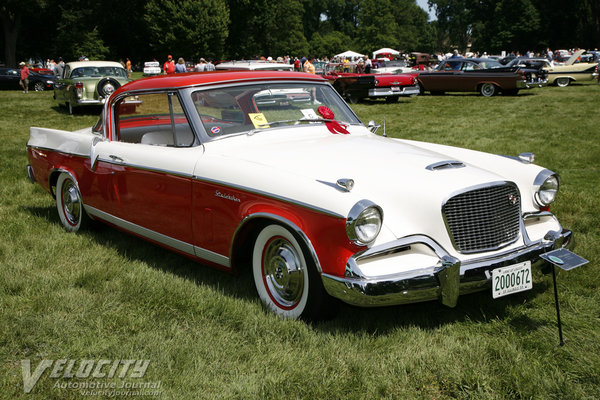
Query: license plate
x=395, y=88
x=512, y=279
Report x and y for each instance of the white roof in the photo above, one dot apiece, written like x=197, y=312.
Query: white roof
x=349, y=53
x=385, y=50
x=77, y=64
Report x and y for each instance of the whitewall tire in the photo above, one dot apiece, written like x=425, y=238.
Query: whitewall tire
x=69, y=203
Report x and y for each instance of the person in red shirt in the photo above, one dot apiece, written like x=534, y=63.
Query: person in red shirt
x=169, y=66
x=24, y=82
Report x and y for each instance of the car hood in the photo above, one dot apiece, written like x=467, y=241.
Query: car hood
x=392, y=173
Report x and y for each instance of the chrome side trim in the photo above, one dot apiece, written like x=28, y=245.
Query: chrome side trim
x=40, y=148
x=115, y=160
x=287, y=223
x=267, y=195
x=159, y=237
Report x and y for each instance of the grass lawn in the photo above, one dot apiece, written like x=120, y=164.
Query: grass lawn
x=104, y=295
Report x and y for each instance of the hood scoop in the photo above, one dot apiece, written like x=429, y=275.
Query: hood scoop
x=449, y=164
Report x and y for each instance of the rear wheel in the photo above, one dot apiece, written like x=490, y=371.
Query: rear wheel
x=285, y=277
x=352, y=99
x=69, y=203
x=488, y=89
x=562, y=82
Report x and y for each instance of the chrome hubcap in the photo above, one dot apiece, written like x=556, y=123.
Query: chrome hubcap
x=283, y=272
x=71, y=203
x=108, y=89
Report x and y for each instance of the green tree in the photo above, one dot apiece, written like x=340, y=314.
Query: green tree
x=266, y=28
x=187, y=28
x=13, y=14
x=398, y=24
x=329, y=44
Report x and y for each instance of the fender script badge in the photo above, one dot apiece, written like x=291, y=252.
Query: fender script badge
x=227, y=196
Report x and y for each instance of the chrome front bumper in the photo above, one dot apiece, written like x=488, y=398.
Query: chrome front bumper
x=389, y=91
x=444, y=281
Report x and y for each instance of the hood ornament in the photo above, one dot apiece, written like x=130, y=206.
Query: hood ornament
x=345, y=184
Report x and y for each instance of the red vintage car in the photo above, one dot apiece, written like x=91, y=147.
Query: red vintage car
x=356, y=86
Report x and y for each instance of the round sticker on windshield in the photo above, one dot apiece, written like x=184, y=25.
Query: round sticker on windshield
x=215, y=130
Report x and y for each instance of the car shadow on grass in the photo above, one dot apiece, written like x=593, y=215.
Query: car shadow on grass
x=477, y=307
x=131, y=247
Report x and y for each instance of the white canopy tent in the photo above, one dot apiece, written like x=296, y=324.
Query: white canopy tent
x=385, y=50
x=350, y=54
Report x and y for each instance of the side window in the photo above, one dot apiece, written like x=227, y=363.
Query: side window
x=153, y=119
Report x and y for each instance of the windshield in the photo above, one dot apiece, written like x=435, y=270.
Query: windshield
x=251, y=108
x=98, y=72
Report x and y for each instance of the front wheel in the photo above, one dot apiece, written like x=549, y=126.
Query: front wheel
x=286, y=280
x=69, y=203
x=487, y=89
x=39, y=86
x=563, y=82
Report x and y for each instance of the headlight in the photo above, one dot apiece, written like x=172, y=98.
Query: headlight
x=364, y=222
x=548, y=187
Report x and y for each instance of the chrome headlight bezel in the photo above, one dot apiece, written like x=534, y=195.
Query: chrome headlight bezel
x=547, y=184
x=364, y=222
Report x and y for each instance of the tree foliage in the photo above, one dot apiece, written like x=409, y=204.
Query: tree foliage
x=519, y=25
x=233, y=29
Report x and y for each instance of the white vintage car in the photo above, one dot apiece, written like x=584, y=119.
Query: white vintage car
x=229, y=169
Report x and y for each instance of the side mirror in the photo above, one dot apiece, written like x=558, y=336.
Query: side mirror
x=372, y=126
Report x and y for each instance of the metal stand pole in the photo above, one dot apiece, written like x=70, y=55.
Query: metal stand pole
x=560, y=334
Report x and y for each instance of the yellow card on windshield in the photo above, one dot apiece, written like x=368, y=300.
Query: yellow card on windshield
x=259, y=120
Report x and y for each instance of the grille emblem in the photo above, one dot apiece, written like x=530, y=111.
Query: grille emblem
x=513, y=199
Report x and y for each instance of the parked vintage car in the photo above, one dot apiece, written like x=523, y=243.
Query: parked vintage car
x=253, y=65
x=152, y=68
x=10, y=77
x=392, y=67
x=564, y=74
x=303, y=194
x=88, y=83
x=483, y=75
x=354, y=86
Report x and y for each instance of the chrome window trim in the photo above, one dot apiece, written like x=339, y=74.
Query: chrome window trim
x=205, y=137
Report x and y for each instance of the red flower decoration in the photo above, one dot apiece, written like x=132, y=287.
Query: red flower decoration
x=333, y=126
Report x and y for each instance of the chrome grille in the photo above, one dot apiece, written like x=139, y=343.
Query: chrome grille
x=484, y=219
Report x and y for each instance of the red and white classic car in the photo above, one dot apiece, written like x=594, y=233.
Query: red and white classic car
x=273, y=171
x=355, y=86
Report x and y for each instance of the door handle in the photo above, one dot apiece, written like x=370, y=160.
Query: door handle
x=116, y=158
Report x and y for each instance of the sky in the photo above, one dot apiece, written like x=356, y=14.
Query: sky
x=423, y=5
